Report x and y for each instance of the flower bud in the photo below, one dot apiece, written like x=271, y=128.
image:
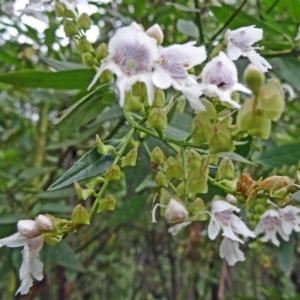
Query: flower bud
x=157, y=119
x=155, y=32
x=80, y=215
x=84, y=22
x=88, y=59
x=230, y=198
x=102, y=51
x=254, y=78
x=113, y=173
x=83, y=194
x=197, y=209
x=137, y=26
x=139, y=89
x=157, y=155
x=252, y=121
x=197, y=182
x=200, y=129
x=225, y=169
x=180, y=189
x=107, y=203
x=92, y=182
x=159, y=98
x=102, y=148
x=106, y=76
x=213, y=159
x=173, y=168
x=132, y=103
x=230, y=184
x=176, y=212
x=59, y=9
x=161, y=179
x=27, y=228
x=130, y=159
x=181, y=104
x=70, y=28
x=43, y=223
x=84, y=45
x=220, y=139
x=193, y=160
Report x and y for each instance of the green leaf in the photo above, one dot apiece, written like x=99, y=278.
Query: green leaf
x=4, y=56
x=285, y=254
x=182, y=7
x=188, y=28
x=82, y=111
x=288, y=69
x=12, y=218
x=89, y=165
x=63, y=80
x=80, y=215
x=280, y=155
x=59, y=65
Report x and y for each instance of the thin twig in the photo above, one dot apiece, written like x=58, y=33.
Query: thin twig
x=198, y=21
x=222, y=280
x=272, y=6
x=232, y=17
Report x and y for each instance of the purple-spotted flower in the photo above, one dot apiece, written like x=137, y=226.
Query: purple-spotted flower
x=171, y=70
x=270, y=224
x=132, y=54
x=231, y=225
x=239, y=43
x=219, y=79
x=289, y=219
x=30, y=236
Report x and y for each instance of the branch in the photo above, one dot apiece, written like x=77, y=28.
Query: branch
x=198, y=21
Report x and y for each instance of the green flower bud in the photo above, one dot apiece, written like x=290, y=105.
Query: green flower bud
x=130, y=159
x=211, y=112
x=193, y=160
x=224, y=117
x=157, y=155
x=132, y=103
x=271, y=100
x=106, y=76
x=139, y=89
x=180, y=104
x=157, y=119
x=220, y=139
x=80, y=215
x=254, y=78
x=59, y=9
x=225, y=169
x=252, y=121
x=161, y=179
x=101, y=51
x=200, y=129
x=107, y=203
x=259, y=208
x=84, y=22
x=84, y=45
x=88, y=59
x=197, y=210
x=197, y=182
x=70, y=28
x=180, y=190
x=83, y=194
x=91, y=183
x=173, y=168
x=231, y=184
x=159, y=98
x=217, y=50
x=53, y=239
x=113, y=173
x=213, y=159
x=102, y=148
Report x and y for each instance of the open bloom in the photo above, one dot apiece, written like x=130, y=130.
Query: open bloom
x=239, y=43
x=171, y=70
x=230, y=250
x=271, y=223
x=223, y=218
x=131, y=57
x=219, y=79
x=289, y=219
x=30, y=236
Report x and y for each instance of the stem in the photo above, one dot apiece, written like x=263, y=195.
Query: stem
x=184, y=161
x=232, y=17
x=198, y=21
x=125, y=143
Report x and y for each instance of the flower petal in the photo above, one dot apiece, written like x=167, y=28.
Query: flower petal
x=230, y=251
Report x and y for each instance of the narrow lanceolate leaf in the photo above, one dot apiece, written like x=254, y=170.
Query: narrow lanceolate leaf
x=64, y=80
x=89, y=165
x=281, y=155
x=59, y=65
x=80, y=215
x=84, y=110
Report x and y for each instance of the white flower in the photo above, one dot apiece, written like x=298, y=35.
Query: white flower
x=219, y=79
x=30, y=235
x=171, y=70
x=176, y=212
x=239, y=43
x=229, y=250
x=289, y=219
x=270, y=223
x=224, y=219
x=174, y=230
x=155, y=32
x=131, y=57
